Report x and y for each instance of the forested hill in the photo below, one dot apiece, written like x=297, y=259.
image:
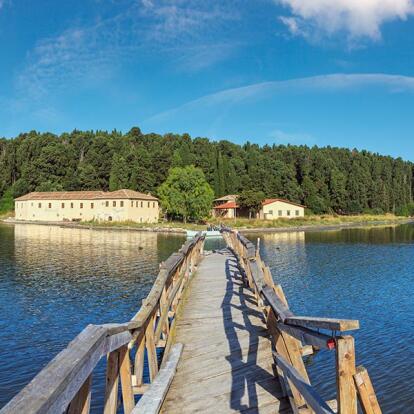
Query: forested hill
x=325, y=179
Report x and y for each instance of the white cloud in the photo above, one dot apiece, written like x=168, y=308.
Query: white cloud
x=323, y=83
x=357, y=18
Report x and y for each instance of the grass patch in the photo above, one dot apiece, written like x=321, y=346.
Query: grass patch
x=244, y=223
x=6, y=214
x=166, y=225
x=312, y=220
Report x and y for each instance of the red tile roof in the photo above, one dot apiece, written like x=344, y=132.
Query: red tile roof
x=86, y=195
x=273, y=200
x=225, y=206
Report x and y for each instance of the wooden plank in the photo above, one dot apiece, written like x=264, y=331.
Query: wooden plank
x=152, y=400
x=139, y=363
x=126, y=380
x=112, y=381
x=165, y=308
x=257, y=275
x=267, y=275
x=151, y=351
x=330, y=324
x=307, y=336
x=345, y=371
x=227, y=364
x=279, y=307
x=311, y=397
x=279, y=292
x=82, y=402
x=167, y=270
x=366, y=393
x=289, y=348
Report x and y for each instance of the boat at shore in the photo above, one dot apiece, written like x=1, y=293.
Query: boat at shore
x=206, y=233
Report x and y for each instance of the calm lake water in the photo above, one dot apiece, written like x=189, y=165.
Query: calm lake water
x=55, y=281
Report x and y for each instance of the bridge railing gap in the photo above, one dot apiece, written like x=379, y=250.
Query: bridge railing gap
x=293, y=337
x=64, y=385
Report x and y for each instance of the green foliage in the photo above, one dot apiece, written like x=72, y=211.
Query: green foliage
x=251, y=200
x=186, y=194
x=406, y=210
x=7, y=202
x=327, y=180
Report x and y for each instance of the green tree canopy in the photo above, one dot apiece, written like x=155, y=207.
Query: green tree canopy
x=251, y=200
x=186, y=194
x=325, y=179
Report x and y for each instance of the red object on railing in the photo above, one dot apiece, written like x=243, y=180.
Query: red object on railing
x=331, y=344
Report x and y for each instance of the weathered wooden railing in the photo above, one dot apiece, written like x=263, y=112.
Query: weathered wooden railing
x=64, y=385
x=293, y=335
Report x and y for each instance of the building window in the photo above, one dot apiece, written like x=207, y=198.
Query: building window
x=71, y=205
x=280, y=213
x=288, y=212
x=40, y=205
x=81, y=205
x=63, y=205
x=153, y=204
x=122, y=203
x=148, y=204
x=136, y=203
x=132, y=203
x=271, y=212
x=297, y=212
x=114, y=203
x=140, y=219
x=106, y=203
x=32, y=204
x=91, y=205
x=50, y=205
x=142, y=204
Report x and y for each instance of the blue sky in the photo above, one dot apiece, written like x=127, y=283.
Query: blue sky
x=317, y=72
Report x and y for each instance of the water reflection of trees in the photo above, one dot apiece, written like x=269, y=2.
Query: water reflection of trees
x=373, y=235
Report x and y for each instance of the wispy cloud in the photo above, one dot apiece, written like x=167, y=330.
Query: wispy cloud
x=178, y=19
x=327, y=83
x=93, y=53
x=357, y=18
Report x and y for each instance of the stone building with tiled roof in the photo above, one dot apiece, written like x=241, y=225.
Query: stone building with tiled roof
x=120, y=205
x=272, y=208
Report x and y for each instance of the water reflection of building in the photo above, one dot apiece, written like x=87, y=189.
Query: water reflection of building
x=39, y=247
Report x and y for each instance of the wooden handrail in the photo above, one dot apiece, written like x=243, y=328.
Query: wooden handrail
x=64, y=384
x=290, y=333
x=312, y=398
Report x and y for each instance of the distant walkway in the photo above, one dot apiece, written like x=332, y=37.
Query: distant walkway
x=227, y=364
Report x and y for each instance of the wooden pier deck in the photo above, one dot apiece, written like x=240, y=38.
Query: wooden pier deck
x=214, y=335
x=227, y=364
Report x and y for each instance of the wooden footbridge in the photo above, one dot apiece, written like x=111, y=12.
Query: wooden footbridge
x=214, y=335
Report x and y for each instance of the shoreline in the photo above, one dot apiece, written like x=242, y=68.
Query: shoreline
x=181, y=231
x=326, y=227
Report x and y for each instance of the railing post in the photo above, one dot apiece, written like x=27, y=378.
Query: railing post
x=345, y=371
x=112, y=381
x=366, y=393
x=82, y=401
x=139, y=362
x=126, y=380
x=151, y=350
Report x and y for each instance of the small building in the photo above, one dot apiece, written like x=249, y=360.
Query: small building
x=120, y=205
x=272, y=208
x=226, y=210
x=225, y=199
